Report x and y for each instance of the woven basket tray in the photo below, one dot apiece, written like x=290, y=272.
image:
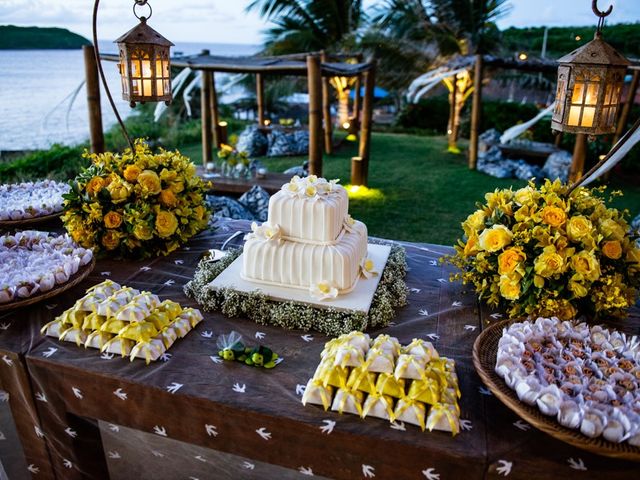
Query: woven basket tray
x=29, y=222
x=75, y=279
x=485, y=350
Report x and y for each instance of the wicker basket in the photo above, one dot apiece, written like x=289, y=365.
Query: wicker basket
x=485, y=350
x=28, y=222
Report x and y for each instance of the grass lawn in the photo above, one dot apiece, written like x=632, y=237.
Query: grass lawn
x=420, y=192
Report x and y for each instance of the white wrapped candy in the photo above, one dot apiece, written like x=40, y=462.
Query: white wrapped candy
x=348, y=401
x=317, y=394
x=410, y=366
x=421, y=348
x=150, y=351
x=593, y=422
x=388, y=344
x=379, y=361
x=411, y=411
x=357, y=339
x=618, y=427
x=379, y=406
x=528, y=390
x=348, y=356
x=549, y=400
x=444, y=417
x=570, y=414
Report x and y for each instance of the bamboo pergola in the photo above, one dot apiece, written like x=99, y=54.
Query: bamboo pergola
x=318, y=67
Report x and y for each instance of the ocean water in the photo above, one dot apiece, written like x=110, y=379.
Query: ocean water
x=36, y=87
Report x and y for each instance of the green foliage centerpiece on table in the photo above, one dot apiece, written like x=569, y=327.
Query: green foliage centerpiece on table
x=551, y=252
x=138, y=204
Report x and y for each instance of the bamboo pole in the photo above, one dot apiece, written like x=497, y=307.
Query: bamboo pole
x=452, y=131
x=93, y=99
x=357, y=101
x=476, y=112
x=361, y=172
x=579, y=157
x=260, y=98
x=205, y=102
x=314, y=79
x=626, y=108
x=215, y=116
x=326, y=110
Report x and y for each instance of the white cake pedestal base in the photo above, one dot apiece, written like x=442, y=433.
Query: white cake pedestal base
x=359, y=299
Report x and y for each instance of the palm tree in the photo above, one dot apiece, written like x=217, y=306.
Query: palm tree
x=309, y=25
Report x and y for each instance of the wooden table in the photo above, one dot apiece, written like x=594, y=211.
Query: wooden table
x=272, y=182
x=255, y=416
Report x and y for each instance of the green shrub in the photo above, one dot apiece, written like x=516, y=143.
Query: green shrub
x=58, y=163
x=428, y=114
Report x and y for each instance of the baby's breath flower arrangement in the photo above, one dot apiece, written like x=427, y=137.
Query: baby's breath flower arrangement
x=550, y=253
x=138, y=204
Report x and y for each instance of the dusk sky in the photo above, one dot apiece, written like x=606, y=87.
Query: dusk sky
x=225, y=21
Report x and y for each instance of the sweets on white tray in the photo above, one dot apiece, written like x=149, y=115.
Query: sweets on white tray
x=32, y=262
x=124, y=321
x=20, y=201
x=586, y=377
x=381, y=378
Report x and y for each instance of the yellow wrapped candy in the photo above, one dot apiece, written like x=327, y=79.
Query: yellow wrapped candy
x=387, y=384
x=76, y=317
x=411, y=411
x=93, y=321
x=181, y=326
x=357, y=339
x=138, y=331
x=427, y=391
x=361, y=379
x=330, y=374
x=379, y=406
x=113, y=326
x=318, y=394
x=171, y=308
x=159, y=319
x=132, y=312
x=444, y=417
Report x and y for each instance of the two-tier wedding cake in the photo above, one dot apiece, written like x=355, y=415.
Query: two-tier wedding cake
x=309, y=241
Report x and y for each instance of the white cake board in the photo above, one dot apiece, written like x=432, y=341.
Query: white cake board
x=359, y=299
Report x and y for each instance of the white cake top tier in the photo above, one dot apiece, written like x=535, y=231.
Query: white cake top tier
x=310, y=210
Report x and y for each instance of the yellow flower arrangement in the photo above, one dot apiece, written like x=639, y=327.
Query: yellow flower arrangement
x=137, y=204
x=543, y=251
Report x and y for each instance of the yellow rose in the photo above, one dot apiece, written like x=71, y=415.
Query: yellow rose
x=150, y=182
x=131, y=173
x=548, y=263
x=554, y=216
x=199, y=212
x=579, y=228
x=525, y=196
x=510, y=259
x=113, y=219
x=166, y=223
x=142, y=231
x=612, y=249
x=510, y=287
x=471, y=247
x=576, y=287
x=167, y=198
x=111, y=239
x=586, y=264
x=110, y=178
x=495, y=238
x=633, y=257
x=118, y=190
x=611, y=229
x=95, y=185
x=168, y=175
x=566, y=311
x=176, y=187
x=474, y=222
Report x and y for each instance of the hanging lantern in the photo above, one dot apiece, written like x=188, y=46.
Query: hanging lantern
x=144, y=65
x=589, y=87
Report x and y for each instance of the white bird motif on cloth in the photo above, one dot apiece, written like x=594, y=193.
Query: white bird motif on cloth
x=2, y=436
x=105, y=274
x=120, y=394
x=114, y=428
x=106, y=356
x=263, y=433
x=504, y=468
x=456, y=303
x=156, y=453
x=328, y=426
x=248, y=465
x=33, y=469
x=368, y=471
x=51, y=306
x=114, y=454
x=239, y=388
x=496, y=316
x=442, y=280
x=300, y=389
x=77, y=392
x=433, y=263
x=470, y=327
x=41, y=397
x=423, y=312
x=50, y=351
x=415, y=290
x=5, y=326
x=72, y=433
x=211, y=430
x=392, y=324
x=165, y=356
x=169, y=282
x=178, y=262
x=7, y=360
x=576, y=464
x=260, y=335
x=430, y=474
x=160, y=431
x=433, y=336
x=485, y=391
x=4, y=397
x=66, y=463
x=174, y=387
x=306, y=471
x=39, y=432
x=465, y=425
x=200, y=458
x=216, y=359
x=145, y=269
x=522, y=425
x=398, y=425
x=186, y=249
x=207, y=334
x=307, y=338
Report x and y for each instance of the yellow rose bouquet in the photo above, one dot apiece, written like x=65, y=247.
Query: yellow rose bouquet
x=137, y=204
x=543, y=251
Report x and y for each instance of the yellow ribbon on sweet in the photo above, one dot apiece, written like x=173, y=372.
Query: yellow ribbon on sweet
x=123, y=352
x=189, y=314
x=398, y=386
x=327, y=370
x=415, y=405
x=44, y=329
x=138, y=331
x=350, y=350
x=377, y=397
x=168, y=335
x=380, y=339
x=427, y=386
x=93, y=321
x=361, y=373
x=147, y=347
x=400, y=369
x=100, y=334
x=345, y=396
x=437, y=411
x=173, y=309
x=64, y=334
x=325, y=393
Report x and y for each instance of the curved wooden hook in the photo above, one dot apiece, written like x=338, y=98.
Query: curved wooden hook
x=598, y=12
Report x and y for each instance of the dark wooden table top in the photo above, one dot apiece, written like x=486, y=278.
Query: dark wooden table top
x=271, y=182
x=257, y=414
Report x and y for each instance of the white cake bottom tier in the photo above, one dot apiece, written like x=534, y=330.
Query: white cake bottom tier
x=300, y=265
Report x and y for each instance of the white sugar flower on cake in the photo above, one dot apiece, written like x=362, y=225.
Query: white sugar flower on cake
x=311, y=187
x=323, y=291
x=264, y=232
x=368, y=268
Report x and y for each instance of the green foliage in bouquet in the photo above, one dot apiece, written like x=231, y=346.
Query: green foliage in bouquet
x=550, y=253
x=138, y=204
